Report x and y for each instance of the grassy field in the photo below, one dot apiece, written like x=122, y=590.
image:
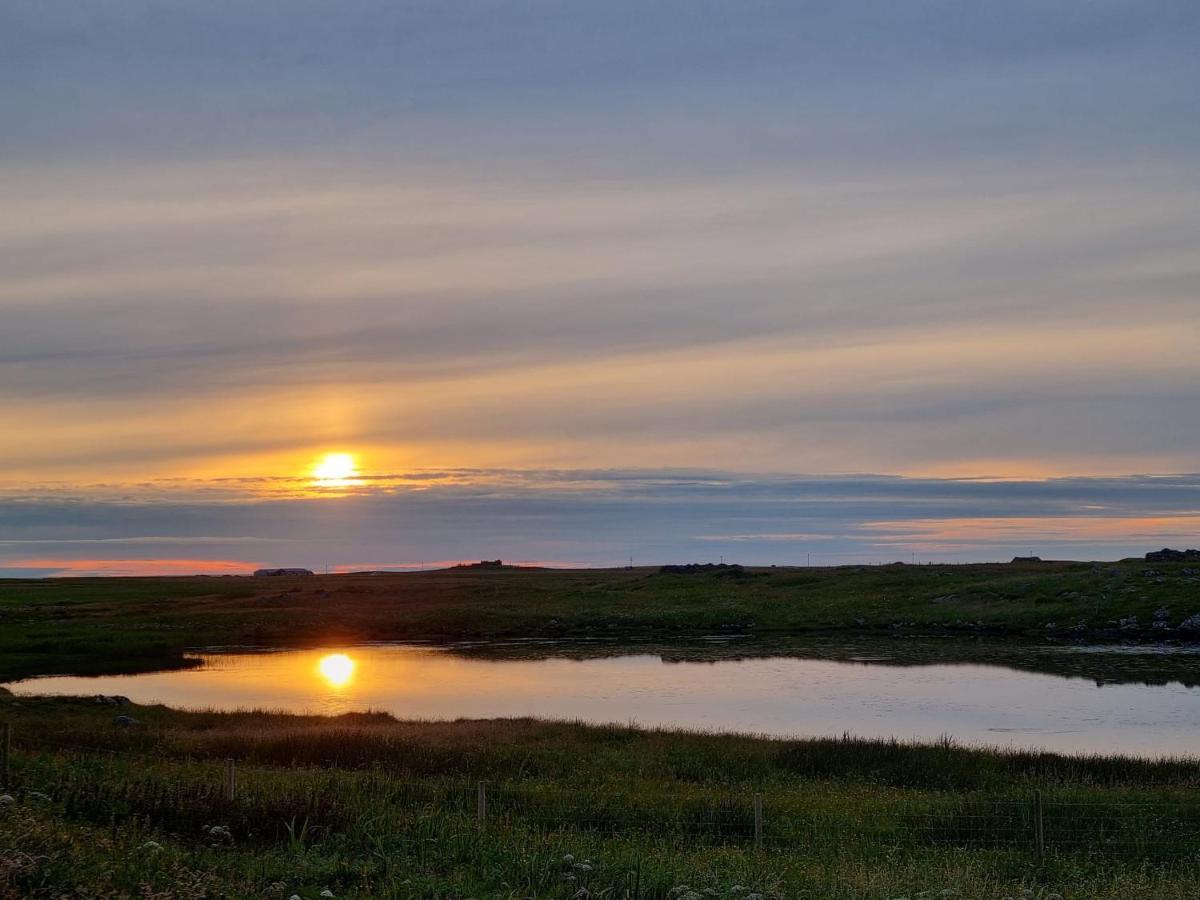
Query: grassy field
x=89, y=625
x=364, y=806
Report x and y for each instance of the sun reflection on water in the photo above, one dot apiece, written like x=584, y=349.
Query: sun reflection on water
x=337, y=669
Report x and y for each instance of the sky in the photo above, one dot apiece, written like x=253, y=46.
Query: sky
x=574, y=282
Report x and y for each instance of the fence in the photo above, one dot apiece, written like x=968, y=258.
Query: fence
x=186, y=792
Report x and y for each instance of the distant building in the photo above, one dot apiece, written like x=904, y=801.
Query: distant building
x=259, y=573
x=1026, y=559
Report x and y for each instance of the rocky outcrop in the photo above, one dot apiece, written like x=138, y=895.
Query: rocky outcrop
x=1166, y=554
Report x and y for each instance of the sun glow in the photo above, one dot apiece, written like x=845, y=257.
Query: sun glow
x=335, y=469
x=337, y=669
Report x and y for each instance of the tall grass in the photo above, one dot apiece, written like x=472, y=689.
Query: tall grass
x=368, y=807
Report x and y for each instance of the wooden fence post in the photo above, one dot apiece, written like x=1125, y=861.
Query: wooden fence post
x=758, y=822
x=1039, y=827
x=5, y=753
x=481, y=804
x=230, y=781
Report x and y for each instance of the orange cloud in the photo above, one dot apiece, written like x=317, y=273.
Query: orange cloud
x=134, y=567
x=953, y=533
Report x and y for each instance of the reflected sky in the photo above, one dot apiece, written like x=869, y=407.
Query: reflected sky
x=782, y=696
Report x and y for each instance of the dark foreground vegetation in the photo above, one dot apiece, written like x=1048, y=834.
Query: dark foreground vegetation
x=84, y=625
x=364, y=806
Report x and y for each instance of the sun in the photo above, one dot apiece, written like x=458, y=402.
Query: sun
x=335, y=468
x=337, y=669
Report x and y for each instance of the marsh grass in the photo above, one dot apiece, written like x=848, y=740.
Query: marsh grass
x=81, y=625
x=368, y=807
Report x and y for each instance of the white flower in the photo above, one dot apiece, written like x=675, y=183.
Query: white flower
x=295, y=897
x=568, y=858
x=327, y=893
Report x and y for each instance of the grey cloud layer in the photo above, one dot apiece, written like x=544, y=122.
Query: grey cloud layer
x=602, y=517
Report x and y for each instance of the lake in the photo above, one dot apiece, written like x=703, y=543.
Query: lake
x=872, y=694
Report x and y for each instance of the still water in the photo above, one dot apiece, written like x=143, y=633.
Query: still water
x=775, y=695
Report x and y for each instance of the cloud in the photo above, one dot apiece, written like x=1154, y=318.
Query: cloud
x=599, y=517
x=772, y=237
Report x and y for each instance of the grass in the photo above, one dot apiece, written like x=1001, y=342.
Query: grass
x=365, y=806
x=82, y=625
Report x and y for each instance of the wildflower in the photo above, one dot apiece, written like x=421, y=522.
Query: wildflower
x=295, y=897
x=583, y=867
x=327, y=893
x=7, y=800
x=152, y=846
x=568, y=858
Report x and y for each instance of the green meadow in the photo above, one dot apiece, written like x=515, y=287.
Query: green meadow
x=82, y=625
x=366, y=806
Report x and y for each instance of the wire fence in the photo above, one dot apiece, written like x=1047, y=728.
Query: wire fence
x=186, y=792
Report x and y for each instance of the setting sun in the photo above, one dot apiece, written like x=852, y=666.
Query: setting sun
x=337, y=669
x=335, y=468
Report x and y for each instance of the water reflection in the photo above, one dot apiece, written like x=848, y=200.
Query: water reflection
x=776, y=695
x=337, y=669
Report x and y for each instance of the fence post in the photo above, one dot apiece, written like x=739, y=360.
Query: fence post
x=758, y=822
x=5, y=753
x=481, y=804
x=230, y=781
x=1039, y=828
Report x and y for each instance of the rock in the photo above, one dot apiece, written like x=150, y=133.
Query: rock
x=126, y=721
x=1127, y=623
x=1160, y=625
x=1166, y=554
x=1191, y=623
x=1162, y=614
